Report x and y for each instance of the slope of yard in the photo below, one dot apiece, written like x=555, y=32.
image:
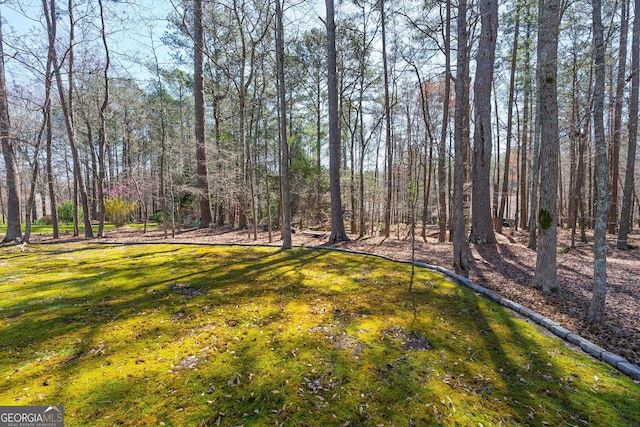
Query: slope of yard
x=194, y=335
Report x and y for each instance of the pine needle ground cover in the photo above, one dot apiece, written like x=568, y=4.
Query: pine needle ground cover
x=194, y=335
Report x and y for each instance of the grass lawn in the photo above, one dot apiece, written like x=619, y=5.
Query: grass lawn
x=194, y=336
x=48, y=229
x=68, y=228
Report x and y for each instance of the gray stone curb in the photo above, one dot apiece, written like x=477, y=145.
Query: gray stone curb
x=548, y=323
x=560, y=331
x=618, y=362
x=629, y=369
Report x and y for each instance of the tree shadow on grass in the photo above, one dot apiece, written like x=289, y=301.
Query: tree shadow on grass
x=98, y=299
x=534, y=382
x=500, y=258
x=275, y=361
x=303, y=378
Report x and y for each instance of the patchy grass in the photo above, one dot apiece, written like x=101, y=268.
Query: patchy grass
x=194, y=335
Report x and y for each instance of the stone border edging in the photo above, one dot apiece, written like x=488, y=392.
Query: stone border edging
x=618, y=362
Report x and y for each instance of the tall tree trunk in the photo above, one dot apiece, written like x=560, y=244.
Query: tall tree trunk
x=49, y=146
x=578, y=138
x=547, y=120
x=582, y=144
x=338, y=232
x=282, y=99
x=442, y=147
x=481, y=224
x=617, y=117
x=524, y=211
x=102, y=130
x=268, y=193
x=167, y=217
x=14, y=230
x=510, y=103
x=535, y=174
x=535, y=151
x=319, y=213
x=573, y=183
x=245, y=79
x=217, y=119
x=92, y=178
x=590, y=180
x=31, y=208
x=387, y=115
x=427, y=163
x=352, y=169
x=461, y=253
x=495, y=202
x=206, y=217
x=253, y=172
x=67, y=105
x=561, y=214
x=361, y=124
x=574, y=136
x=627, y=202
x=596, y=310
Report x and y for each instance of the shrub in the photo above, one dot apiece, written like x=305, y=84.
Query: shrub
x=118, y=210
x=65, y=212
x=45, y=220
x=158, y=216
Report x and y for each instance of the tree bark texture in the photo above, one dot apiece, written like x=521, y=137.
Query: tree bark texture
x=282, y=100
x=14, y=231
x=102, y=130
x=49, y=145
x=461, y=253
x=614, y=160
x=481, y=223
x=627, y=201
x=206, y=217
x=31, y=208
x=442, y=147
x=387, y=116
x=510, y=102
x=338, y=232
x=525, y=140
x=546, y=262
x=596, y=310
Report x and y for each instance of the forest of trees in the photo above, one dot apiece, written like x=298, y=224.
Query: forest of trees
x=363, y=117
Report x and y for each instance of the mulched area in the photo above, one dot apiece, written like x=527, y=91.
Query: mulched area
x=507, y=268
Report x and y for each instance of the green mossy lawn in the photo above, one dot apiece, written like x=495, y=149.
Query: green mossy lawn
x=196, y=335
x=48, y=228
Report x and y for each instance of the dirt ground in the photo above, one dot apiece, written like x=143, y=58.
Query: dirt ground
x=506, y=268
